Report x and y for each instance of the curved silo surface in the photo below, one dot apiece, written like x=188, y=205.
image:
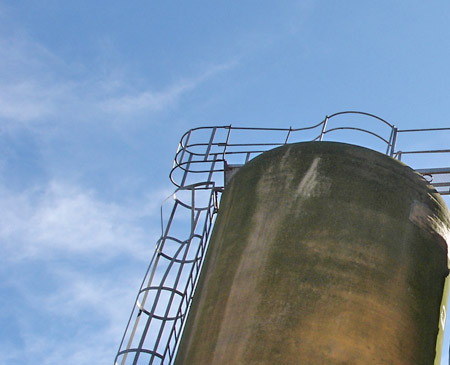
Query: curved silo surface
x=322, y=253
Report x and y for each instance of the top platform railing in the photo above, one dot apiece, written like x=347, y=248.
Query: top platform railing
x=209, y=153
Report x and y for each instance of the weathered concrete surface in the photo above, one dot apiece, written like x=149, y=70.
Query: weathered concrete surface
x=322, y=253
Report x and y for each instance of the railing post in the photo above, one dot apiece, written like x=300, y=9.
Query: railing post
x=288, y=135
x=210, y=144
x=389, y=147
x=225, y=145
x=394, y=141
x=325, y=121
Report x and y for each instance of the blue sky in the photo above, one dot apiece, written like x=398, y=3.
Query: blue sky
x=95, y=95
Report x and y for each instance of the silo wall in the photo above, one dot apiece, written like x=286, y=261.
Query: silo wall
x=322, y=253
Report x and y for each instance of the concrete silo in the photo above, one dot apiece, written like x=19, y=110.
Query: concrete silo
x=322, y=253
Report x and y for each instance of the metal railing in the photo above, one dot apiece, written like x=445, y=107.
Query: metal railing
x=204, y=158
x=205, y=153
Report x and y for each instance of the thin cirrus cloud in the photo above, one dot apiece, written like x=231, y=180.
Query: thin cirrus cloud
x=38, y=85
x=96, y=306
x=33, y=84
x=159, y=100
x=46, y=234
x=64, y=248
x=25, y=101
x=64, y=219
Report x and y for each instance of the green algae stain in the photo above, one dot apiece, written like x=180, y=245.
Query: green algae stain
x=341, y=242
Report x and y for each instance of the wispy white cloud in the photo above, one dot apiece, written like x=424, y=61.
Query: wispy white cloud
x=98, y=304
x=28, y=100
x=149, y=100
x=62, y=218
x=36, y=84
x=26, y=89
x=61, y=243
x=53, y=231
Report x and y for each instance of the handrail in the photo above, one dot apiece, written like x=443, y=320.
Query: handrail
x=424, y=130
x=214, y=150
x=211, y=153
x=362, y=113
x=357, y=129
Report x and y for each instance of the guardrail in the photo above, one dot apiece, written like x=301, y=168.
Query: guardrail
x=205, y=153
